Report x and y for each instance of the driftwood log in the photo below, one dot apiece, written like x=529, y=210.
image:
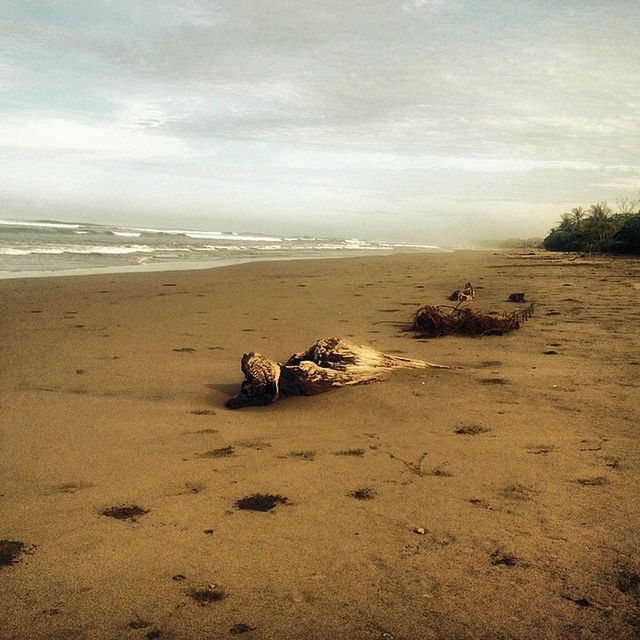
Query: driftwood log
x=466, y=293
x=327, y=364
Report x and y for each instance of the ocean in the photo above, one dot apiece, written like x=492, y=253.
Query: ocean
x=49, y=247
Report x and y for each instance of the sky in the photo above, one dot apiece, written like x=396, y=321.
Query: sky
x=417, y=120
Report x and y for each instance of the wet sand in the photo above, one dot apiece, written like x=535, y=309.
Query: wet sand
x=495, y=501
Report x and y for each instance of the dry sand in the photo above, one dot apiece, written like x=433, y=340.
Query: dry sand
x=521, y=466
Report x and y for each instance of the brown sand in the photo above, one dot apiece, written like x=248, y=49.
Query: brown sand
x=122, y=472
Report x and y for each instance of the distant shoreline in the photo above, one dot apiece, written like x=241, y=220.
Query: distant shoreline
x=185, y=265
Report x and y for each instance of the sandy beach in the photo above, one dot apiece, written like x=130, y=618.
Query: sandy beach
x=498, y=500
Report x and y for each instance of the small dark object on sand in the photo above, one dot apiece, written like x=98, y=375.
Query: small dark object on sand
x=212, y=593
x=629, y=582
x=363, y=494
x=260, y=502
x=507, y=559
x=222, y=452
x=138, y=623
x=581, y=602
x=432, y=322
x=471, y=430
x=125, y=512
x=516, y=297
x=10, y=551
x=237, y=629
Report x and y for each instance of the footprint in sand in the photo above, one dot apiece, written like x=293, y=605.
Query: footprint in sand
x=222, y=452
x=237, y=629
x=518, y=491
x=493, y=381
x=125, y=512
x=540, y=449
x=471, y=430
x=71, y=487
x=355, y=453
x=502, y=558
x=256, y=445
x=139, y=623
x=597, y=481
x=440, y=472
x=309, y=456
x=191, y=488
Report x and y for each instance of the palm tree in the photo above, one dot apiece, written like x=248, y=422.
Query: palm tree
x=599, y=221
x=566, y=222
x=577, y=215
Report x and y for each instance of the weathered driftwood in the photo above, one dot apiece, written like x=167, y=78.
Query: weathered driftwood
x=466, y=293
x=327, y=364
x=431, y=322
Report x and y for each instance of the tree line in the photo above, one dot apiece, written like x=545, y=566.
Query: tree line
x=598, y=228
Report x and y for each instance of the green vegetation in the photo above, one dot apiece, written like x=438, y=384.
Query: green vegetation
x=512, y=243
x=598, y=229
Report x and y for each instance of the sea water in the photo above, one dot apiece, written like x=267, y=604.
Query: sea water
x=47, y=247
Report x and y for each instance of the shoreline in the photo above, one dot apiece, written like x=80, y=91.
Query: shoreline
x=497, y=499
x=202, y=265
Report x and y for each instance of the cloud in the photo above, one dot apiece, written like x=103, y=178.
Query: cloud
x=431, y=107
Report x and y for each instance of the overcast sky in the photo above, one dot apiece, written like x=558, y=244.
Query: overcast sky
x=425, y=120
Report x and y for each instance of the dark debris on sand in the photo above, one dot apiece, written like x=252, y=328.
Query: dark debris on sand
x=471, y=430
x=260, y=502
x=629, y=582
x=507, y=559
x=598, y=481
x=125, y=512
x=364, y=493
x=139, y=623
x=222, y=452
x=10, y=552
x=237, y=629
x=211, y=593
x=356, y=453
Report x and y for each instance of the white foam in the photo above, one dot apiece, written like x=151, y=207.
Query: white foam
x=51, y=225
x=126, y=234
x=78, y=249
x=217, y=235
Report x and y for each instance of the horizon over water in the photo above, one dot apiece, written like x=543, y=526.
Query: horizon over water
x=52, y=247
